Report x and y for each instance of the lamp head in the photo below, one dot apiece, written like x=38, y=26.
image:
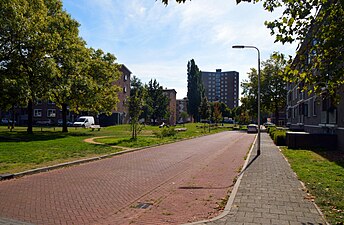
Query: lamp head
x=238, y=46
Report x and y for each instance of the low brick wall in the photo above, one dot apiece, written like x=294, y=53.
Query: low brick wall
x=305, y=140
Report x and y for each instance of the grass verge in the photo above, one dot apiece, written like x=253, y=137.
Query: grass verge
x=323, y=174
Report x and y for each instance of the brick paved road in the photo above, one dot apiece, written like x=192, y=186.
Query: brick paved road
x=181, y=181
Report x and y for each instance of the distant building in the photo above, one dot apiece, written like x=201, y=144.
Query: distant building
x=222, y=87
x=182, y=106
x=172, y=107
x=121, y=114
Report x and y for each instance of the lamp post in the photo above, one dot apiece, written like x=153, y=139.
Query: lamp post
x=244, y=46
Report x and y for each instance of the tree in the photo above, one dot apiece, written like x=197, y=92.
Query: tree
x=204, y=110
x=195, y=88
x=71, y=56
x=27, y=41
x=136, y=103
x=273, y=87
x=101, y=92
x=216, y=113
x=157, y=102
x=319, y=26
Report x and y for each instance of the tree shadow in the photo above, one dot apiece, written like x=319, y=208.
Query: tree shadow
x=23, y=136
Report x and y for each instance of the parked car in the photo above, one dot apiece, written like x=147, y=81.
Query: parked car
x=60, y=123
x=5, y=121
x=84, y=121
x=252, y=128
x=268, y=124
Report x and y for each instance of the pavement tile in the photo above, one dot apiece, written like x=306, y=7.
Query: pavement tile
x=270, y=193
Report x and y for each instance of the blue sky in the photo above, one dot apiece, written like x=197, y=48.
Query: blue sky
x=157, y=41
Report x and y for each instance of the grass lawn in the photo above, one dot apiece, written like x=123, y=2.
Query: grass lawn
x=20, y=151
x=323, y=174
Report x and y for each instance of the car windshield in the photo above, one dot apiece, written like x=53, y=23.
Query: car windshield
x=81, y=120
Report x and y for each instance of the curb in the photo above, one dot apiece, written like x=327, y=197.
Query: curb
x=232, y=194
x=8, y=176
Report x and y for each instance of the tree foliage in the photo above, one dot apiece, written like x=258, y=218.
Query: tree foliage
x=319, y=26
x=204, y=108
x=135, y=105
x=273, y=87
x=42, y=57
x=195, y=88
x=216, y=113
x=157, y=101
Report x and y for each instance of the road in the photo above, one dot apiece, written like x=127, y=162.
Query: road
x=169, y=184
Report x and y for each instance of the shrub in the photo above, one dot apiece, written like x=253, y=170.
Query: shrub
x=166, y=132
x=278, y=136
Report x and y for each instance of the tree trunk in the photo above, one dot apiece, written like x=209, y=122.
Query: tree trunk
x=64, y=118
x=29, y=117
x=12, y=118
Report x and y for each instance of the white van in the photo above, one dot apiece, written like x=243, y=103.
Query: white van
x=84, y=121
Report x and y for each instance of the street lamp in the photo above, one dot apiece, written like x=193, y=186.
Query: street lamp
x=244, y=46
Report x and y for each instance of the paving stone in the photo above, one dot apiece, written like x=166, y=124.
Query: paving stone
x=276, y=192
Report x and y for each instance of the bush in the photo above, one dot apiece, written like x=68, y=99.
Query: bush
x=166, y=132
x=278, y=136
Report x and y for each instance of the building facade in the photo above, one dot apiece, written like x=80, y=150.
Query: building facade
x=314, y=113
x=121, y=114
x=182, y=107
x=222, y=87
x=172, y=106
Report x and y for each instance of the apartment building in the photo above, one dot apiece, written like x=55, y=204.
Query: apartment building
x=172, y=105
x=316, y=114
x=121, y=114
x=222, y=87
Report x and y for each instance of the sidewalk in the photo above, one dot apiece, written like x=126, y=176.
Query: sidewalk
x=269, y=193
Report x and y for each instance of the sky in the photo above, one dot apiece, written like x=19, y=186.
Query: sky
x=155, y=41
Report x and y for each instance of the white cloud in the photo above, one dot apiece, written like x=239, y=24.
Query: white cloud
x=154, y=40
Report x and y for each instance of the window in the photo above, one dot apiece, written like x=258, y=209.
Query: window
x=125, y=77
x=51, y=102
x=39, y=102
x=125, y=89
x=51, y=113
x=37, y=113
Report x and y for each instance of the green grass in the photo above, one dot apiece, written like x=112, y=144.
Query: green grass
x=323, y=174
x=148, y=138
x=48, y=146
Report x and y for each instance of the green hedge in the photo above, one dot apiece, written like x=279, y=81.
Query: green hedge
x=277, y=135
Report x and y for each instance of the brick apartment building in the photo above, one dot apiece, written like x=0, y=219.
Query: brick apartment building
x=121, y=114
x=317, y=115
x=222, y=87
x=172, y=106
